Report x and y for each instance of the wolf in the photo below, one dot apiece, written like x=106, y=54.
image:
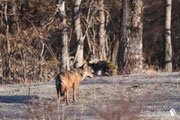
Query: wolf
x=70, y=79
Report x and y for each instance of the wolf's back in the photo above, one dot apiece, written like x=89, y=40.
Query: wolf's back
x=59, y=85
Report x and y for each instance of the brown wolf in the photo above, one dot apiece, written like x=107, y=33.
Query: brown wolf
x=68, y=79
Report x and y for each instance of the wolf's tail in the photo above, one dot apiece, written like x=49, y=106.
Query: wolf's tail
x=59, y=86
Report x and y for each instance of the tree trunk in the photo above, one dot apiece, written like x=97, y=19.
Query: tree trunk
x=7, y=42
x=23, y=62
x=102, y=32
x=168, y=45
x=125, y=29
x=65, y=53
x=79, y=36
x=131, y=37
x=1, y=64
x=115, y=51
x=136, y=50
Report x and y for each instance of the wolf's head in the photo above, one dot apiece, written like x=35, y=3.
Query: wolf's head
x=87, y=71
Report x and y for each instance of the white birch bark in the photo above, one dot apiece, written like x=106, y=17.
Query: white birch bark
x=65, y=53
x=102, y=32
x=136, y=40
x=131, y=37
x=79, y=36
x=168, y=45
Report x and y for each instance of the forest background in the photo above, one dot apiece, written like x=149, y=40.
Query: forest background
x=40, y=38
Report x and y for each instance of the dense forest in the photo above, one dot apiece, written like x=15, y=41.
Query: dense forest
x=40, y=38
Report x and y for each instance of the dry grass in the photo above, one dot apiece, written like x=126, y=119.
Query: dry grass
x=39, y=109
x=130, y=109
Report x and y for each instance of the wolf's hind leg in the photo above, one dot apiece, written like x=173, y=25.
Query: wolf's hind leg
x=64, y=97
x=58, y=95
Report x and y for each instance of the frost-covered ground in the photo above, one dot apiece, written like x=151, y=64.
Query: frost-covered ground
x=134, y=96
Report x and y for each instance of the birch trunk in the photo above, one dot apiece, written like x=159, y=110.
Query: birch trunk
x=102, y=32
x=79, y=36
x=168, y=45
x=136, y=40
x=131, y=37
x=64, y=50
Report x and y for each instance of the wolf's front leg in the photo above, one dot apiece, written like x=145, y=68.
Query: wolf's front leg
x=67, y=93
x=74, y=91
